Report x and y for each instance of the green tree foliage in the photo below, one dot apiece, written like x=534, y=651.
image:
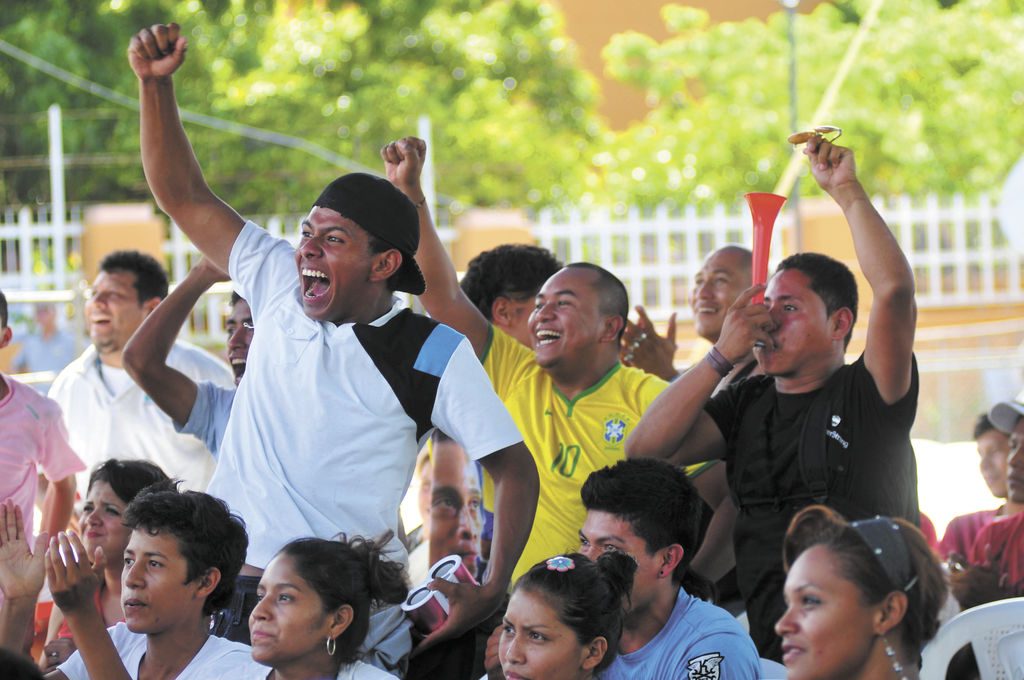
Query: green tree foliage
x=934, y=103
x=513, y=114
x=86, y=38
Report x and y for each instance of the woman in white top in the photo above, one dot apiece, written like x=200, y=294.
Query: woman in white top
x=314, y=609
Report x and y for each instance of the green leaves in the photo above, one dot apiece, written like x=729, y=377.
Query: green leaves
x=512, y=112
x=929, y=105
x=933, y=104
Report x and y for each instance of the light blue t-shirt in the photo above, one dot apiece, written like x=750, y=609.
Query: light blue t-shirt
x=209, y=416
x=699, y=641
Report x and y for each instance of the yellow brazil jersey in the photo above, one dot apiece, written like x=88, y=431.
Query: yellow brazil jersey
x=569, y=439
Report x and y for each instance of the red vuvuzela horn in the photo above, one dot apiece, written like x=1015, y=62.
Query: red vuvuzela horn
x=764, y=208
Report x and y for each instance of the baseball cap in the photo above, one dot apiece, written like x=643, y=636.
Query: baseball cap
x=1004, y=415
x=377, y=206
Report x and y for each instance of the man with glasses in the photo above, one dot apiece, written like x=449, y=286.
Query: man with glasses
x=108, y=415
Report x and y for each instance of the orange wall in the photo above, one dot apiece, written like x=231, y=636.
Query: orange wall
x=592, y=23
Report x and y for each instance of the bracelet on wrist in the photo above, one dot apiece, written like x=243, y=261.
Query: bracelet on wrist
x=718, y=362
x=420, y=203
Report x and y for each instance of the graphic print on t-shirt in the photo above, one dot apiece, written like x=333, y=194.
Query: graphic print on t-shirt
x=705, y=667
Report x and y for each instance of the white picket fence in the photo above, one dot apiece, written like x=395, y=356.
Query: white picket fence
x=655, y=255
x=956, y=247
x=959, y=253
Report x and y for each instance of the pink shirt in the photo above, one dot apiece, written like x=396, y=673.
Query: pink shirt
x=32, y=437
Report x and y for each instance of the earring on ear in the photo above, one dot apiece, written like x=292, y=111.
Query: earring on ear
x=331, y=645
x=897, y=667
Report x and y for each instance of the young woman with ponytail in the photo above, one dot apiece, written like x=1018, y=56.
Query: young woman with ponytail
x=314, y=610
x=564, y=618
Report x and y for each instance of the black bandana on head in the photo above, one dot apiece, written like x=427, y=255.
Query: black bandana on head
x=884, y=538
x=383, y=211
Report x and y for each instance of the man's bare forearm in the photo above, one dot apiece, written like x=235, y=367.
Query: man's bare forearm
x=443, y=299
x=15, y=619
x=878, y=252
x=145, y=355
x=666, y=425
x=516, y=487
x=716, y=555
x=893, y=319
x=175, y=178
x=172, y=170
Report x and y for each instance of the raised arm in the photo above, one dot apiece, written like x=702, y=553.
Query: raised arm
x=73, y=582
x=443, y=299
x=893, y=317
x=21, y=577
x=675, y=426
x=172, y=171
x=516, y=486
x=145, y=355
x=58, y=504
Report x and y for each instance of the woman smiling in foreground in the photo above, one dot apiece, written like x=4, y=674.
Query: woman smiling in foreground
x=862, y=597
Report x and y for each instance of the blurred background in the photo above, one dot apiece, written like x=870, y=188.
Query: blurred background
x=624, y=133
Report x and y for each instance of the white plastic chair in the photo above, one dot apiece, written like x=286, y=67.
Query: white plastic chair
x=772, y=670
x=982, y=627
x=1011, y=654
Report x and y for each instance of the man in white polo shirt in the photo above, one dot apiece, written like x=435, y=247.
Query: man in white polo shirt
x=108, y=415
x=342, y=382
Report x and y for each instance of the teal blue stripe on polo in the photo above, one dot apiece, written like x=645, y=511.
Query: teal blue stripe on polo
x=437, y=351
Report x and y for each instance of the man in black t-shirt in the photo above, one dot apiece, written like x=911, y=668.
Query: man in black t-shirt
x=809, y=411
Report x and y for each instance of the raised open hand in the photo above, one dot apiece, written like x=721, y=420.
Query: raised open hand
x=644, y=348
x=73, y=580
x=157, y=51
x=21, y=570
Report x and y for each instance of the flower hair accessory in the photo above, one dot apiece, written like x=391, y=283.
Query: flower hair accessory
x=561, y=564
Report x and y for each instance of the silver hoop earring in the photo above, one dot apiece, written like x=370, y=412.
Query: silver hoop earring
x=331, y=646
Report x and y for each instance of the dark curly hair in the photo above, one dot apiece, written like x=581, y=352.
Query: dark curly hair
x=209, y=535
x=590, y=598
x=515, y=271
x=150, y=276
x=349, y=571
